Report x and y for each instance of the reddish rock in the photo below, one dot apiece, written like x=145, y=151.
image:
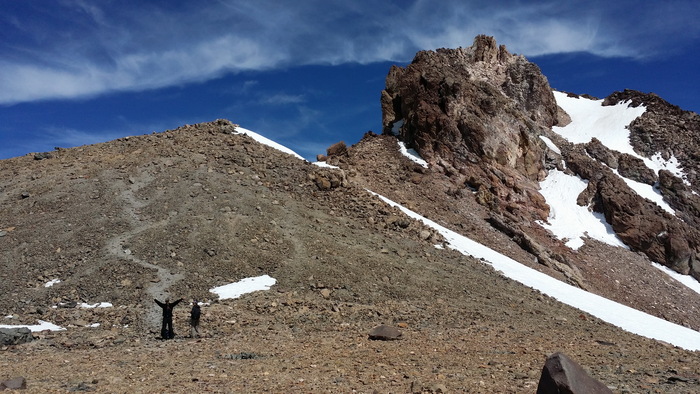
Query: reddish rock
x=634, y=168
x=476, y=107
x=640, y=223
x=337, y=149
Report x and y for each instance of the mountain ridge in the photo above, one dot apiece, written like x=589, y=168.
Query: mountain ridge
x=178, y=212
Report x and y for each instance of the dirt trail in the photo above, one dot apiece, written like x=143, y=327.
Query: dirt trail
x=159, y=286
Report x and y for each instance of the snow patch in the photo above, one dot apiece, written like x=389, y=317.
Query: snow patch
x=244, y=286
x=568, y=220
x=267, y=141
x=551, y=145
x=97, y=305
x=412, y=154
x=52, y=282
x=589, y=119
x=323, y=164
x=40, y=326
x=647, y=191
x=672, y=165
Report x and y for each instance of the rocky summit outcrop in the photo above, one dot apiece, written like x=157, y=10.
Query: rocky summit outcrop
x=477, y=114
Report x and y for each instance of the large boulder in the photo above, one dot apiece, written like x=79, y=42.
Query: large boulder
x=15, y=336
x=563, y=375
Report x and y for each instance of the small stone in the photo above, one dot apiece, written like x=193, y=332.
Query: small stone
x=384, y=333
x=42, y=155
x=18, y=383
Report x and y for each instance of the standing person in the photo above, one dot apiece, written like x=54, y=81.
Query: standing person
x=195, y=313
x=166, y=330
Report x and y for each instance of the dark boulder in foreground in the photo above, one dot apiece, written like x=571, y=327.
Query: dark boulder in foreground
x=563, y=375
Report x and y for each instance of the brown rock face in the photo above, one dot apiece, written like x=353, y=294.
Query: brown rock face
x=477, y=113
x=640, y=223
x=669, y=131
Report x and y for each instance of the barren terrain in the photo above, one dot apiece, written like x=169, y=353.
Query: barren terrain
x=177, y=213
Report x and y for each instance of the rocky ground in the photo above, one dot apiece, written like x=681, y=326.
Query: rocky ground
x=177, y=213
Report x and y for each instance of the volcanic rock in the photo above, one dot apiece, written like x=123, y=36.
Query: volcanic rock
x=384, y=333
x=598, y=151
x=337, y=149
x=15, y=336
x=634, y=168
x=18, y=383
x=476, y=113
x=563, y=375
x=640, y=223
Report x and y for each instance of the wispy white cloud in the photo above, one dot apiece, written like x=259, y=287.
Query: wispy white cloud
x=283, y=99
x=80, y=48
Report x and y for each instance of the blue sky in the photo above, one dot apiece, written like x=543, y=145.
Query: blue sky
x=305, y=73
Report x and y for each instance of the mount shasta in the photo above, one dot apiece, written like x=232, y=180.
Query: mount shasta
x=599, y=194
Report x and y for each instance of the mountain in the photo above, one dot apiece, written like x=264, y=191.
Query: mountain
x=180, y=212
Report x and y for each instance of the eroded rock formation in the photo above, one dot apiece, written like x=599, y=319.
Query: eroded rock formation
x=476, y=113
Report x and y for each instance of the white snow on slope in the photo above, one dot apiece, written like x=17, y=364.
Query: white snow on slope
x=627, y=318
x=569, y=221
x=551, y=145
x=648, y=192
x=85, y=305
x=244, y=286
x=672, y=165
x=267, y=141
x=589, y=119
x=323, y=164
x=412, y=154
x=52, y=282
x=40, y=326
